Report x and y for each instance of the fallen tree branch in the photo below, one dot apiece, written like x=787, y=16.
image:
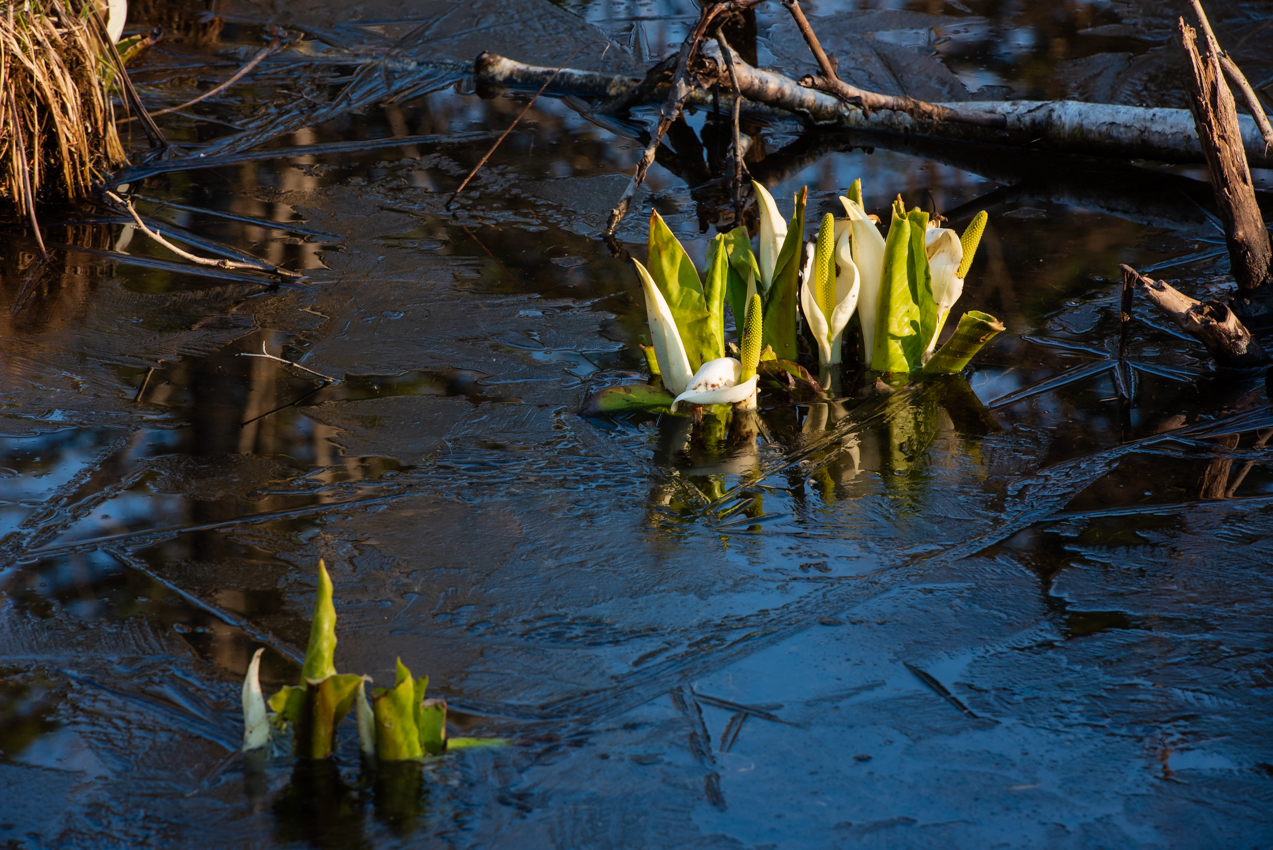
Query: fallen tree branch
x=870, y=101
x=1210, y=322
x=1088, y=129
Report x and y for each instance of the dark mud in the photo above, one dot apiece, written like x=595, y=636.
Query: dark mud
x=1031, y=609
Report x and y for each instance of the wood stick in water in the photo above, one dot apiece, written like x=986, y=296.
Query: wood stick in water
x=1210, y=322
x=1216, y=120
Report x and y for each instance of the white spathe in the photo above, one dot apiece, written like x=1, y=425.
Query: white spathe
x=116, y=16
x=773, y=232
x=867, y=252
x=828, y=332
x=674, y=363
x=717, y=382
x=945, y=253
x=256, y=723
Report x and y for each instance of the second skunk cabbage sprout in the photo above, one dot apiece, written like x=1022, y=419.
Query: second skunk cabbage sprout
x=829, y=290
x=726, y=380
x=397, y=724
x=949, y=258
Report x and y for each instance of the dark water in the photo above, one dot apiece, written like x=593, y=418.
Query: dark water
x=1013, y=611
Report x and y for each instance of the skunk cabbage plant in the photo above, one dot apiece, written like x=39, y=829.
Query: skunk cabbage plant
x=314, y=708
x=829, y=290
x=398, y=723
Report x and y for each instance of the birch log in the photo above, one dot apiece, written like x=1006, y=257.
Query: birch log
x=1093, y=129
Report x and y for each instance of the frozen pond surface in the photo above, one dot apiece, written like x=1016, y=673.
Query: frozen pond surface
x=1011, y=611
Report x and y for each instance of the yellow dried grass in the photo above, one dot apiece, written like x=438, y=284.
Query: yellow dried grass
x=57, y=136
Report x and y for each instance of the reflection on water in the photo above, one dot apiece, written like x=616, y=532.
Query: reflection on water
x=1055, y=540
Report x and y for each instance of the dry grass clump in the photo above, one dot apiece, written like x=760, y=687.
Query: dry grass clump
x=57, y=124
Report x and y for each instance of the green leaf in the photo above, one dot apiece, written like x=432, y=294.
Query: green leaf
x=395, y=711
x=468, y=743
x=744, y=272
x=898, y=344
x=780, y=301
x=974, y=330
x=314, y=710
x=675, y=276
x=855, y=192
x=788, y=373
x=432, y=725
x=622, y=399
x=716, y=281
x=920, y=277
x=319, y=657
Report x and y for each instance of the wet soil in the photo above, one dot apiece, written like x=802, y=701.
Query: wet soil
x=1029, y=608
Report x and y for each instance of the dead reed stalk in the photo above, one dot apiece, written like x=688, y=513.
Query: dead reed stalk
x=57, y=133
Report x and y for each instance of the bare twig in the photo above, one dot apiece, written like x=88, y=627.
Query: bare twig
x=830, y=82
x=202, y=261
x=674, y=104
x=736, y=112
x=28, y=192
x=516, y=120
x=1253, y=105
x=1236, y=77
x=327, y=380
x=145, y=382
x=242, y=72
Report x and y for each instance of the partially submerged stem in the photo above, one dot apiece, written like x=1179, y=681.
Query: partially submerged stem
x=272, y=47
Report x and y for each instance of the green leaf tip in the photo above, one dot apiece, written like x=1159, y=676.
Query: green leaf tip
x=855, y=192
x=824, y=267
x=321, y=653
x=970, y=240
x=753, y=332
